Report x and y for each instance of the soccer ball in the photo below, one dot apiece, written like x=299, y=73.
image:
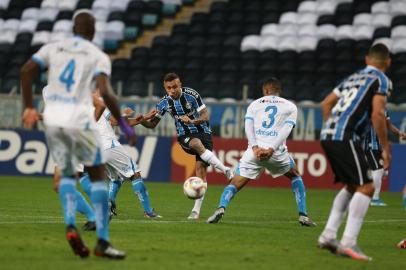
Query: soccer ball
x=194, y=188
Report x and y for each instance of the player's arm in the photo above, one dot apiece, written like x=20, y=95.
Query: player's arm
x=395, y=130
x=99, y=105
x=153, y=117
x=379, y=122
x=203, y=117
x=28, y=72
x=328, y=103
x=104, y=86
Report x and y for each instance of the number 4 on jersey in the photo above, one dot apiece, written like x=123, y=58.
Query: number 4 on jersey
x=66, y=76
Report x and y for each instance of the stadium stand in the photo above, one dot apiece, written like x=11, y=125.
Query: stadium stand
x=26, y=25
x=309, y=45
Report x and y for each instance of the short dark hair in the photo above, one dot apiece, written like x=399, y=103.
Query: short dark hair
x=379, y=51
x=170, y=77
x=274, y=82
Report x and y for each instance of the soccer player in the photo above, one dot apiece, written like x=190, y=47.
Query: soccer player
x=119, y=165
x=374, y=157
x=268, y=123
x=357, y=101
x=192, y=123
x=70, y=128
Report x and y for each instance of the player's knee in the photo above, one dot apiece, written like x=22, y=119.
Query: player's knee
x=197, y=145
x=136, y=175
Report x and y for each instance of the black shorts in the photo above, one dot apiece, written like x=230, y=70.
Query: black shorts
x=348, y=161
x=375, y=159
x=203, y=137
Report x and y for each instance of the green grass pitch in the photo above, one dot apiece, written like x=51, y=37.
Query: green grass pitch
x=259, y=231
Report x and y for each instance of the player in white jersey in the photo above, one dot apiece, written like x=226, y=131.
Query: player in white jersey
x=119, y=165
x=73, y=66
x=268, y=123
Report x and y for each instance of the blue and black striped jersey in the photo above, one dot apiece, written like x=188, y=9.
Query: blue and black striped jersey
x=351, y=116
x=371, y=140
x=189, y=103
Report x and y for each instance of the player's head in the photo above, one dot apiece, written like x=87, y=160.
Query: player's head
x=379, y=57
x=84, y=24
x=172, y=85
x=271, y=86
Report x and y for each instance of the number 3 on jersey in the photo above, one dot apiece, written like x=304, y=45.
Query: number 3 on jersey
x=271, y=116
x=66, y=76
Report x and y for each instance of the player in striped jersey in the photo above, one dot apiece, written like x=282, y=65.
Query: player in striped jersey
x=359, y=100
x=192, y=123
x=373, y=151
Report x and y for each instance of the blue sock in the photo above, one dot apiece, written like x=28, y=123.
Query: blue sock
x=114, y=188
x=300, y=194
x=404, y=200
x=83, y=207
x=141, y=191
x=228, y=193
x=99, y=197
x=67, y=191
x=85, y=184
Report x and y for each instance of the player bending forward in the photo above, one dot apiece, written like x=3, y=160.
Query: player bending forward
x=268, y=123
x=119, y=165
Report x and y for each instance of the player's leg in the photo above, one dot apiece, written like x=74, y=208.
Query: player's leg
x=374, y=158
x=83, y=206
x=88, y=152
x=357, y=210
x=404, y=197
x=202, y=146
x=299, y=191
x=59, y=145
x=235, y=185
x=377, y=176
x=201, y=172
x=142, y=194
x=85, y=184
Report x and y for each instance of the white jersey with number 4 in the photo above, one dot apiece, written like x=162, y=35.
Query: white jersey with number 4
x=73, y=63
x=270, y=114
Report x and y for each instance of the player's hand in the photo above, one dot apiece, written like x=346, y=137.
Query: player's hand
x=128, y=111
x=30, y=116
x=266, y=154
x=387, y=157
x=139, y=117
x=56, y=187
x=127, y=130
x=402, y=135
x=151, y=114
x=113, y=121
x=185, y=119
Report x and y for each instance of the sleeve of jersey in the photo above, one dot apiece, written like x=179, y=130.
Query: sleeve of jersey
x=42, y=57
x=160, y=107
x=249, y=127
x=250, y=132
x=103, y=66
x=384, y=86
x=200, y=104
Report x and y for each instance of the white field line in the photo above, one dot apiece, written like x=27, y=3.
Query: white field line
x=59, y=220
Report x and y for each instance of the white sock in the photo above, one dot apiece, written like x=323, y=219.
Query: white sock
x=377, y=177
x=210, y=158
x=198, y=205
x=337, y=213
x=356, y=212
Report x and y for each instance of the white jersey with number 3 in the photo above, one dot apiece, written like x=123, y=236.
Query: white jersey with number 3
x=73, y=63
x=270, y=114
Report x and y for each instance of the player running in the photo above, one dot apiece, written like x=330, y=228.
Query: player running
x=70, y=128
x=373, y=151
x=268, y=123
x=192, y=124
x=357, y=101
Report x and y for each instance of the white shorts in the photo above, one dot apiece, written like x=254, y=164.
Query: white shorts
x=71, y=147
x=251, y=168
x=119, y=164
